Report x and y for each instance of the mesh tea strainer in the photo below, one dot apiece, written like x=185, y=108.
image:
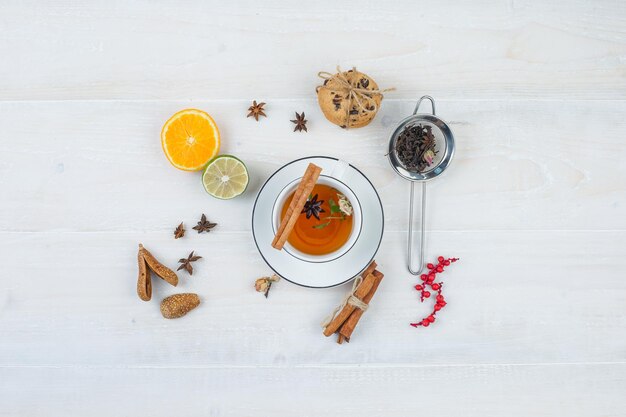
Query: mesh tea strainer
x=444, y=148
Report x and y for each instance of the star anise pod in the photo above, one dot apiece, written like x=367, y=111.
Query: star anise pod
x=186, y=262
x=204, y=225
x=300, y=123
x=180, y=231
x=256, y=110
x=313, y=207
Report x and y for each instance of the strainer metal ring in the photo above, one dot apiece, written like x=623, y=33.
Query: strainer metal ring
x=445, y=151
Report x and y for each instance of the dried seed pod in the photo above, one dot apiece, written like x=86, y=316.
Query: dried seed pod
x=144, y=282
x=158, y=268
x=178, y=305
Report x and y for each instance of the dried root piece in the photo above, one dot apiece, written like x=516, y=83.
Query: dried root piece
x=178, y=305
x=144, y=282
x=158, y=268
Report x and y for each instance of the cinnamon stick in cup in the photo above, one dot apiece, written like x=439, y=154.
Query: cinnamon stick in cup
x=300, y=196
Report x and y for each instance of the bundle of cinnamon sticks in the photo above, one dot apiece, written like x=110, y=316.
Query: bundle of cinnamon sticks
x=344, y=321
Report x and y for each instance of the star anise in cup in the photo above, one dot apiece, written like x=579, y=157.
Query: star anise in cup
x=186, y=262
x=204, y=225
x=256, y=110
x=300, y=123
x=313, y=207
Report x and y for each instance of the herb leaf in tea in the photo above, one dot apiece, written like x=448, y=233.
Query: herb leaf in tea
x=334, y=208
x=321, y=226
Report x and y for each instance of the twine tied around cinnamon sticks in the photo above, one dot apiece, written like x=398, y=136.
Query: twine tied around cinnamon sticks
x=346, y=316
x=355, y=94
x=351, y=299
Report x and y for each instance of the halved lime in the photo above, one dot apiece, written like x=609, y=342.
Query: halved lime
x=225, y=177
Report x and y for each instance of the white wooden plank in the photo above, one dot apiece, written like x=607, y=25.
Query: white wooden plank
x=562, y=390
x=487, y=49
x=515, y=297
x=519, y=165
x=533, y=205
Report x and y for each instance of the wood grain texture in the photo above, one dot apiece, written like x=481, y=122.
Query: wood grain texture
x=533, y=204
x=515, y=297
x=572, y=390
x=519, y=165
x=146, y=50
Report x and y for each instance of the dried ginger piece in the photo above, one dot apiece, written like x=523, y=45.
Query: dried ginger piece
x=144, y=282
x=158, y=268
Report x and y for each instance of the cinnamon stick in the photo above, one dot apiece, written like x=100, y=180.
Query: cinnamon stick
x=350, y=324
x=370, y=269
x=345, y=312
x=300, y=196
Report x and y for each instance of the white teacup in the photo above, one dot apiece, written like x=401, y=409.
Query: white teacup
x=332, y=180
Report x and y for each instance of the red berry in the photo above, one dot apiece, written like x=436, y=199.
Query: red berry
x=428, y=281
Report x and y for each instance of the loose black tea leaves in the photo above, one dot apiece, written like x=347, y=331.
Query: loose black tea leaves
x=415, y=147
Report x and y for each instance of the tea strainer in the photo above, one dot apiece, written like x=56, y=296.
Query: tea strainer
x=444, y=151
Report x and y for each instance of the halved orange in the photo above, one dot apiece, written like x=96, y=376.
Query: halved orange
x=190, y=139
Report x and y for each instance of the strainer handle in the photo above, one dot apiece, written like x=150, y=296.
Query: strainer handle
x=429, y=98
x=420, y=265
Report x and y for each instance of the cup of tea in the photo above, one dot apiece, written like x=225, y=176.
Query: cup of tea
x=330, y=222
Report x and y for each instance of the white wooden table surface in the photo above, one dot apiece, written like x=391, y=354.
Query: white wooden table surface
x=534, y=204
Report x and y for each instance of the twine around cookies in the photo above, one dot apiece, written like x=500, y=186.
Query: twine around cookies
x=350, y=98
x=349, y=299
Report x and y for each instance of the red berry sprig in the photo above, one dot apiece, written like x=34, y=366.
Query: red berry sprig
x=429, y=281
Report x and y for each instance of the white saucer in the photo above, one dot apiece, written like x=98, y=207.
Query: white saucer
x=318, y=274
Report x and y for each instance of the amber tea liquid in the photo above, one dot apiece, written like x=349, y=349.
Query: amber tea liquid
x=324, y=235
